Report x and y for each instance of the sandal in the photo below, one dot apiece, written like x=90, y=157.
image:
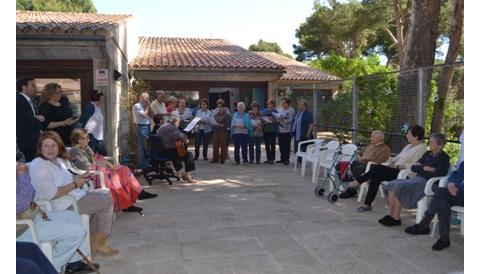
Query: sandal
x=364, y=208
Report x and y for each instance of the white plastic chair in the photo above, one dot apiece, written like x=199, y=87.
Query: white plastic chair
x=324, y=159
x=45, y=246
x=364, y=186
x=458, y=210
x=312, y=148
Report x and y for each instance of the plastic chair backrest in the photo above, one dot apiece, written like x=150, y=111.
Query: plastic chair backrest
x=331, y=147
x=349, y=149
x=318, y=145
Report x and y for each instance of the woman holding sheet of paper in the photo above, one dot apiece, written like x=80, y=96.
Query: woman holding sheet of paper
x=241, y=130
x=203, y=129
x=257, y=132
x=270, y=129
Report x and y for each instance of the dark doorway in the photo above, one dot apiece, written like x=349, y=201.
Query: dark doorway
x=213, y=97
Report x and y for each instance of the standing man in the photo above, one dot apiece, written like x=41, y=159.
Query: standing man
x=28, y=122
x=141, y=118
x=302, y=125
x=287, y=114
x=158, y=105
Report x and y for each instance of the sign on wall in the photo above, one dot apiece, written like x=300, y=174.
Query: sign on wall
x=101, y=77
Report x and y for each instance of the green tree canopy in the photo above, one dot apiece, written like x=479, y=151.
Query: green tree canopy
x=85, y=6
x=268, y=46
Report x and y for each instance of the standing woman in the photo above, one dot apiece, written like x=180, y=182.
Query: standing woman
x=287, y=115
x=270, y=129
x=92, y=120
x=57, y=112
x=184, y=113
x=52, y=181
x=220, y=133
x=255, y=142
x=241, y=129
x=203, y=130
x=123, y=185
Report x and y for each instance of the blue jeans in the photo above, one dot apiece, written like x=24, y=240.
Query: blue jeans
x=97, y=146
x=142, y=151
x=240, y=141
x=257, y=143
x=202, y=137
x=67, y=230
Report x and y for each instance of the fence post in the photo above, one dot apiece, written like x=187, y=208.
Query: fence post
x=354, y=111
x=315, y=106
x=421, y=97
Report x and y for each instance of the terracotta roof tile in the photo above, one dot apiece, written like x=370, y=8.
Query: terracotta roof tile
x=198, y=54
x=41, y=21
x=297, y=70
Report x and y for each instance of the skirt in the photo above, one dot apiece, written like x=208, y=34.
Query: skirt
x=408, y=191
x=123, y=186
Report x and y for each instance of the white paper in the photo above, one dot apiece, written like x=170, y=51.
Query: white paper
x=277, y=115
x=192, y=124
x=267, y=120
x=255, y=123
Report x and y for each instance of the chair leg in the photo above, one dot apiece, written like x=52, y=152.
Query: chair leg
x=315, y=172
x=363, y=189
x=421, y=208
x=304, y=166
x=462, y=223
x=295, y=163
x=382, y=192
x=434, y=226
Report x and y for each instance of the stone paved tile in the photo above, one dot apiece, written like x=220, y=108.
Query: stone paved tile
x=265, y=219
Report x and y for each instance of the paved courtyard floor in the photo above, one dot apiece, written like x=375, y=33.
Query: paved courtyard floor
x=265, y=219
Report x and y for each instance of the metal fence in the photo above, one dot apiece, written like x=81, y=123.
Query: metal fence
x=391, y=102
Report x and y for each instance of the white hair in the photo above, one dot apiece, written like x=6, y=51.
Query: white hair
x=241, y=104
x=379, y=133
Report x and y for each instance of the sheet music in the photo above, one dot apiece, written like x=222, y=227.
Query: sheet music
x=192, y=124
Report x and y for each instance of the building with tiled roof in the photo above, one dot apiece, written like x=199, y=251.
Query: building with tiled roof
x=82, y=52
x=297, y=71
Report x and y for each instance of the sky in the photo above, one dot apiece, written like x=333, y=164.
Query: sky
x=242, y=22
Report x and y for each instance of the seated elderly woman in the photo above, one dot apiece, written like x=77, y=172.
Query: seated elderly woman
x=379, y=173
x=171, y=135
x=407, y=192
x=65, y=227
x=377, y=151
x=123, y=185
x=443, y=199
x=52, y=181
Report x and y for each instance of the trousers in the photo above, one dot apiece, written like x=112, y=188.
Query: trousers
x=270, y=140
x=284, y=140
x=241, y=142
x=377, y=174
x=142, y=151
x=67, y=230
x=441, y=202
x=254, y=148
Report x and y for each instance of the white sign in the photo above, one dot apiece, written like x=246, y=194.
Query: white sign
x=101, y=77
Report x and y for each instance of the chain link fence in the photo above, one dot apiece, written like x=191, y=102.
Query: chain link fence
x=392, y=102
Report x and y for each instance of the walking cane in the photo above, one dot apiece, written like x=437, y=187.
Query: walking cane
x=45, y=217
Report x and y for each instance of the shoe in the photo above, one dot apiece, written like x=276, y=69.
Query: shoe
x=80, y=267
x=286, y=163
x=251, y=162
x=237, y=162
x=205, y=159
x=146, y=195
x=279, y=161
x=245, y=163
x=133, y=208
x=214, y=162
x=188, y=179
x=258, y=162
x=364, y=208
x=222, y=162
x=416, y=229
x=271, y=162
x=440, y=244
x=99, y=244
x=195, y=159
x=349, y=193
x=267, y=162
x=389, y=221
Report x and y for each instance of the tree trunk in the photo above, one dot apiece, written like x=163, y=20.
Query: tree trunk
x=419, y=52
x=400, y=26
x=446, y=75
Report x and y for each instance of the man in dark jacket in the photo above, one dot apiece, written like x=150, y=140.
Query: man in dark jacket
x=443, y=199
x=28, y=122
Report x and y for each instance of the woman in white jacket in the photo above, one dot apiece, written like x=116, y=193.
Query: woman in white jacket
x=379, y=173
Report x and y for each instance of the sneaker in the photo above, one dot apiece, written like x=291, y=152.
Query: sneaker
x=440, y=244
x=390, y=221
x=279, y=161
x=258, y=162
x=349, y=193
x=416, y=229
x=133, y=208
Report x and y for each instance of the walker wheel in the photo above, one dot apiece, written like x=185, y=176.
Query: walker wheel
x=149, y=182
x=319, y=191
x=332, y=197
